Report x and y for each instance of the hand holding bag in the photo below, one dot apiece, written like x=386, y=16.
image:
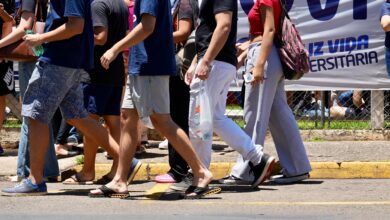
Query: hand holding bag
x=20, y=51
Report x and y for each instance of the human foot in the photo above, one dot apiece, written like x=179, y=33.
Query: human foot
x=79, y=179
x=61, y=151
x=113, y=189
x=203, y=178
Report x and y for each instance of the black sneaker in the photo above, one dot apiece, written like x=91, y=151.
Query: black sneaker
x=262, y=171
x=184, y=184
x=283, y=179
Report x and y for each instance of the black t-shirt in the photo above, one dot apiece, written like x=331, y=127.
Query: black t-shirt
x=207, y=25
x=29, y=6
x=112, y=15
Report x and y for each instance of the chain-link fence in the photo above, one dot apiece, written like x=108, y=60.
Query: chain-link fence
x=351, y=109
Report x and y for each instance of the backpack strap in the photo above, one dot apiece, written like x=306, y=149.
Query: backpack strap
x=283, y=15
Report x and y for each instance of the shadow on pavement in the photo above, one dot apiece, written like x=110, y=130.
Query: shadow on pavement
x=306, y=182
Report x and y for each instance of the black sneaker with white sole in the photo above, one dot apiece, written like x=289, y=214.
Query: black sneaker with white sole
x=283, y=179
x=262, y=171
x=184, y=184
x=233, y=181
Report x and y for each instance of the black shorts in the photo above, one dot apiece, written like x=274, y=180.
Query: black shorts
x=102, y=99
x=7, y=82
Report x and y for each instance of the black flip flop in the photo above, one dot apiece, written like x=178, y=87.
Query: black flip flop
x=104, y=180
x=200, y=192
x=109, y=193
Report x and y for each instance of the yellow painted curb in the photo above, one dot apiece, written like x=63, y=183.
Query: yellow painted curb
x=321, y=170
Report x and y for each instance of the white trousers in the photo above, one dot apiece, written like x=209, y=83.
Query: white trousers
x=217, y=84
x=266, y=106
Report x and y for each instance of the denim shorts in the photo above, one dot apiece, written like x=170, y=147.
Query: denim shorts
x=102, y=99
x=147, y=94
x=50, y=87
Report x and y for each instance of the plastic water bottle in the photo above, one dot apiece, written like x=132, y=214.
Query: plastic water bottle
x=37, y=50
x=248, y=77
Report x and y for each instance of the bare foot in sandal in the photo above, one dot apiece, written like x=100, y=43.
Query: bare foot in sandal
x=78, y=179
x=112, y=187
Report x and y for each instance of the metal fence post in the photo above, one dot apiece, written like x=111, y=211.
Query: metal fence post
x=377, y=110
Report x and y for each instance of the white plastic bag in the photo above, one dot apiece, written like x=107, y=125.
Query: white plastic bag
x=205, y=128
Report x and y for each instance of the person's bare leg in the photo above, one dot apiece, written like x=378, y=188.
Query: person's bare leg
x=2, y=110
x=87, y=173
x=128, y=143
x=113, y=124
x=180, y=141
x=99, y=135
x=39, y=141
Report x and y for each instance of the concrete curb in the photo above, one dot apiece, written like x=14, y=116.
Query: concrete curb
x=321, y=170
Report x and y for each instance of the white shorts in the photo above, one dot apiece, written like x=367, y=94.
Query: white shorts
x=147, y=94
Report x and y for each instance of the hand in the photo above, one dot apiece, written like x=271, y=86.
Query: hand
x=1, y=6
x=241, y=61
x=258, y=75
x=241, y=47
x=202, y=70
x=33, y=40
x=190, y=74
x=107, y=58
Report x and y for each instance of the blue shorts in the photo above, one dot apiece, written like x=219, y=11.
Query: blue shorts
x=53, y=86
x=102, y=99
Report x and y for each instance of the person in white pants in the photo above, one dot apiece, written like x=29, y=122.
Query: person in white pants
x=266, y=103
x=214, y=72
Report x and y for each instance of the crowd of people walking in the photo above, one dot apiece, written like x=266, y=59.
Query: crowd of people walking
x=138, y=61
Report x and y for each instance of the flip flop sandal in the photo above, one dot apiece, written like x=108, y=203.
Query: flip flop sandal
x=201, y=192
x=109, y=193
x=75, y=180
x=104, y=180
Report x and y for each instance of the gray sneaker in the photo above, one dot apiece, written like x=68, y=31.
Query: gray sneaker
x=26, y=188
x=184, y=184
x=232, y=181
x=283, y=179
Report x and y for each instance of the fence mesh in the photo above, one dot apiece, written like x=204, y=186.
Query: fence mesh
x=350, y=109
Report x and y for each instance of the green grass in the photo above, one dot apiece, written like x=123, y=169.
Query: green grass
x=334, y=125
x=233, y=107
x=12, y=123
x=316, y=139
x=80, y=159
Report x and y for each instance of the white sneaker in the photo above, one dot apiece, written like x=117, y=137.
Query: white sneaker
x=163, y=145
x=283, y=179
x=232, y=180
x=15, y=179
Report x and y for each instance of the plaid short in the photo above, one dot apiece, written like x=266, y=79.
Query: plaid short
x=51, y=87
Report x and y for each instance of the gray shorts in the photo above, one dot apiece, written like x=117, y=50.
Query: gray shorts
x=147, y=94
x=50, y=87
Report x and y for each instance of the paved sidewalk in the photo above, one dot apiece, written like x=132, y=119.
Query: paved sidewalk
x=371, y=159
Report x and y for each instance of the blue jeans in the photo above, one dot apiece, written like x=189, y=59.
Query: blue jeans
x=51, y=168
x=388, y=61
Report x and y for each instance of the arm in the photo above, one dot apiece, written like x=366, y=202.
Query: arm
x=5, y=16
x=26, y=23
x=385, y=22
x=73, y=27
x=218, y=40
x=183, y=32
x=137, y=35
x=100, y=35
x=267, y=16
x=242, y=52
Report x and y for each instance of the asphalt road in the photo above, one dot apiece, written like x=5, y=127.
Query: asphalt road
x=313, y=199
